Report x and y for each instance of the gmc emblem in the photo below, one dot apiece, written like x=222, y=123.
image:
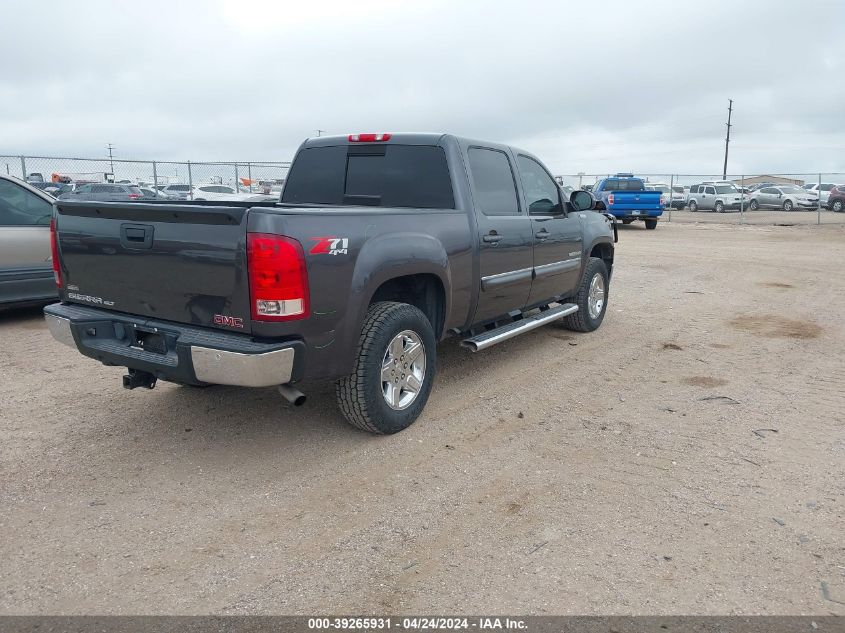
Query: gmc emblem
x=222, y=319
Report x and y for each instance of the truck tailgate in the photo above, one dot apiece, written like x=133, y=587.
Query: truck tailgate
x=640, y=200
x=173, y=262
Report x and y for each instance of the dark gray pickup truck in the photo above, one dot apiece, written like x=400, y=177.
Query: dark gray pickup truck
x=381, y=246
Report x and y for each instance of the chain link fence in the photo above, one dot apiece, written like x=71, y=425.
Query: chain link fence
x=245, y=176
x=765, y=199
x=801, y=198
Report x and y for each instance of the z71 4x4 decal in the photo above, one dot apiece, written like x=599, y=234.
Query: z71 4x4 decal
x=330, y=246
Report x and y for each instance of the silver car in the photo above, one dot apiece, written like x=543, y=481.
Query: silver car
x=104, y=192
x=786, y=197
x=26, y=269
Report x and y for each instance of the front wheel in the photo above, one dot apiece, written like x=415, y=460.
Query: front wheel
x=754, y=205
x=591, y=298
x=836, y=206
x=787, y=205
x=651, y=224
x=394, y=370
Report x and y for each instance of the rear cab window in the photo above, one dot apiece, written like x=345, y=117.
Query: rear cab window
x=387, y=175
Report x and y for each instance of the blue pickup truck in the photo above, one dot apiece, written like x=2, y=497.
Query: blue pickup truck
x=626, y=198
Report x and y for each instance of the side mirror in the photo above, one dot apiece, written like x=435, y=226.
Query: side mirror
x=582, y=200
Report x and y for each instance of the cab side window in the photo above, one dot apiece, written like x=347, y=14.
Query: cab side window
x=494, y=184
x=541, y=191
x=19, y=207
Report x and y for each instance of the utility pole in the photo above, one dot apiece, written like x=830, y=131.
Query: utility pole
x=111, y=159
x=727, y=139
x=320, y=132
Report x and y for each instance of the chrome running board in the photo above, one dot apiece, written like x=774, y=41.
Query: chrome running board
x=503, y=333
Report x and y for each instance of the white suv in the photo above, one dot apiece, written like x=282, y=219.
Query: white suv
x=718, y=196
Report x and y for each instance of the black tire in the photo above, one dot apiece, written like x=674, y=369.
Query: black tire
x=719, y=208
x=582, y=321
x=836, y=207
x=360, y=395
x=651, y=224
x=754, y=205
x=693, y=206
x=787, y=205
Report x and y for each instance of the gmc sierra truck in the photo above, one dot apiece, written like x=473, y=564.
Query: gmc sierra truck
x=380, y=246
x=626, y=198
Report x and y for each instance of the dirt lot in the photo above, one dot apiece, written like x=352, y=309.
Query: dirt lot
x=689, y=457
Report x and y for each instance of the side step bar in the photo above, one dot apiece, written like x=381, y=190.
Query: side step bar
x=490, y=338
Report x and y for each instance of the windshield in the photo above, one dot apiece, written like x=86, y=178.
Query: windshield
x=726, y=189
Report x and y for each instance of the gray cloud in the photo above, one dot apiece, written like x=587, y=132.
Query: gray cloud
x=596, y=87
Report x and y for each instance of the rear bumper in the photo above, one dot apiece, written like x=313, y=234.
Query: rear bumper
x=631, y=214
x=175, y=352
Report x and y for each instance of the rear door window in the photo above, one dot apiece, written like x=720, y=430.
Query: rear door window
x=492, y=177
x=412, y=176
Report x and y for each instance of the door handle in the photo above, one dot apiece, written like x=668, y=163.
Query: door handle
x=492, y=238
x=542, y=235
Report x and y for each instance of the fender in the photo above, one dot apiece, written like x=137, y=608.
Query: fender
x=381, y=259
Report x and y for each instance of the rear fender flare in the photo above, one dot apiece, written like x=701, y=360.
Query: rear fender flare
x=381, y=259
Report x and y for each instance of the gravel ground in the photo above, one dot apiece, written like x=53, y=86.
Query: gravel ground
x=761, y=216
x=687, y=458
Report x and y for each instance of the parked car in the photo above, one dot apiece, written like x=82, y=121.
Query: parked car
x=836, y=199
x=178, y=191
x=381, y=246
x=625, y=197
x=213, y=192
x=822, y=190
x=105, y=192
x=55, y=189
x=148, y=193
x=786, y=197
x=717, y=195
x=26, y=271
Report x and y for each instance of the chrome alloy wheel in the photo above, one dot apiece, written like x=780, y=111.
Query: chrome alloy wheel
x=403, y=370
x=595, y=299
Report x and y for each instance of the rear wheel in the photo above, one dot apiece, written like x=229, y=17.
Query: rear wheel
x=651, y=224
x=591, y=298
x=719, y=208
x=787, y=205
x=837, y=206
x=693, y=206
x=394, y=370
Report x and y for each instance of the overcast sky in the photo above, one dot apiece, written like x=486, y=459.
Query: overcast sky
x=593, y=86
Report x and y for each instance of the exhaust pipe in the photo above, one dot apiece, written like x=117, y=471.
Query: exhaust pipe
x=292, y=395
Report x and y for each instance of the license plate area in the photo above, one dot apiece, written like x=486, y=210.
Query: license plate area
x=149, y=340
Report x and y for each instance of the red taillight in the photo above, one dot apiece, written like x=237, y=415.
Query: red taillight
x=134, y=196
x=278, y=279
x=610, y=199
x=54, y=252
x=368, y=138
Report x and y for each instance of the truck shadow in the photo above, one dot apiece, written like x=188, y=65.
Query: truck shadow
x=29, y=317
